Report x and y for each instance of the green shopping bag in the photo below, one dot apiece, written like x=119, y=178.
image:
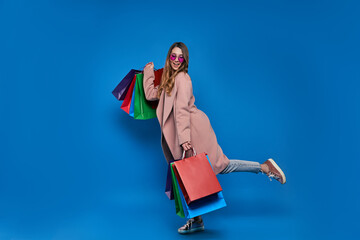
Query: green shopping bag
x=142, y=108
x=178, y=206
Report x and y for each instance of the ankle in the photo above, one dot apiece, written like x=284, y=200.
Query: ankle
x=264, y=168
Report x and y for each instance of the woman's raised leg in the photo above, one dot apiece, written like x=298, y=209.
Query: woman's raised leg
x=241, y=166
x=269, y=167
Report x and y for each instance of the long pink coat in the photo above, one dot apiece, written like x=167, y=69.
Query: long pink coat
x=181, y=121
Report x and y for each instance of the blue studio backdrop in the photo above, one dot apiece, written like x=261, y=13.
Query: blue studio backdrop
x=277, y=79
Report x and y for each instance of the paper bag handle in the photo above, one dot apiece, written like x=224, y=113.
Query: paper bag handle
x=183, y=155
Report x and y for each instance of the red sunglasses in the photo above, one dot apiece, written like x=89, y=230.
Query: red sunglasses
x=173, y=57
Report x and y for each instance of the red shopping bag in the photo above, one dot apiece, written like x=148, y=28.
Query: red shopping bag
x=157, y=80
x=127, y=101
x=196, y=177
x=158, y=74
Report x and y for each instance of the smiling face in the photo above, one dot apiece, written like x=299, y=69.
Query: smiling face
x=176, y=58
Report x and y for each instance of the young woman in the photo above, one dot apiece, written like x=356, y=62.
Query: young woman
x=184, y=126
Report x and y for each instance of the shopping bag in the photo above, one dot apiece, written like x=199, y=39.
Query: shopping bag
x=169, y=185
x=178, y=205
x=127, y=100
x=157, y=80
x=122, y=88
x=142, y=107
x=201, y=206
x=132, y=103
x=158, y=73
x=196, y=177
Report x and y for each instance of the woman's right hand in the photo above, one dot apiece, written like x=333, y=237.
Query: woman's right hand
x=150, y=65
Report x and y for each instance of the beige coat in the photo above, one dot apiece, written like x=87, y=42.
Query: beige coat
x=181, y=121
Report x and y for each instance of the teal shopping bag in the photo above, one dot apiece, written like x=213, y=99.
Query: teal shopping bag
x=132, y=103
x=203, y=205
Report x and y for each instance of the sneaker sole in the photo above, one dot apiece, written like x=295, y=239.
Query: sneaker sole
x=278, y=168
x=192, y=230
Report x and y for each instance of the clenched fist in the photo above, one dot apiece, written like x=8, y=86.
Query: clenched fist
x=150, y=65
x=186, y=146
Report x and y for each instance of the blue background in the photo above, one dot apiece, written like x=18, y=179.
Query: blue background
x=277, y=79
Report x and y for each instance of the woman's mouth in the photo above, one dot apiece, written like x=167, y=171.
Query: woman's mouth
x=176, y=64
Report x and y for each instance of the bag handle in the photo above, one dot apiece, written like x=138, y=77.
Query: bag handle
x=183, y=155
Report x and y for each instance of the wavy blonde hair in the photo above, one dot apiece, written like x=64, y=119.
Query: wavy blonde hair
x=168, y=76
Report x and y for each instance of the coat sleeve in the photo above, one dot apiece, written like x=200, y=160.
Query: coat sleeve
x=148, y=82
x=182, y=109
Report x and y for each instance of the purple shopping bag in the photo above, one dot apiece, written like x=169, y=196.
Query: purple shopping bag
x=122, y=88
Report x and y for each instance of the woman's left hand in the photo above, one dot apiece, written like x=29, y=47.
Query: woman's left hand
x=186, y=146
x=150, y=65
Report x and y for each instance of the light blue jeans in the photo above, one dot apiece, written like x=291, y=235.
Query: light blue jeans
x=241, y=166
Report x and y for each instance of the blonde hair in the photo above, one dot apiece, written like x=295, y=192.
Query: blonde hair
x=168, y=76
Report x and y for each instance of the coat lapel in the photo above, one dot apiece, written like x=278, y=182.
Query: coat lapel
x=169, y=100
x=165, y=105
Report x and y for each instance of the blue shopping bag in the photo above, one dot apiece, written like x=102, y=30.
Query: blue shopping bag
x=131, y=111
x=203, y=205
